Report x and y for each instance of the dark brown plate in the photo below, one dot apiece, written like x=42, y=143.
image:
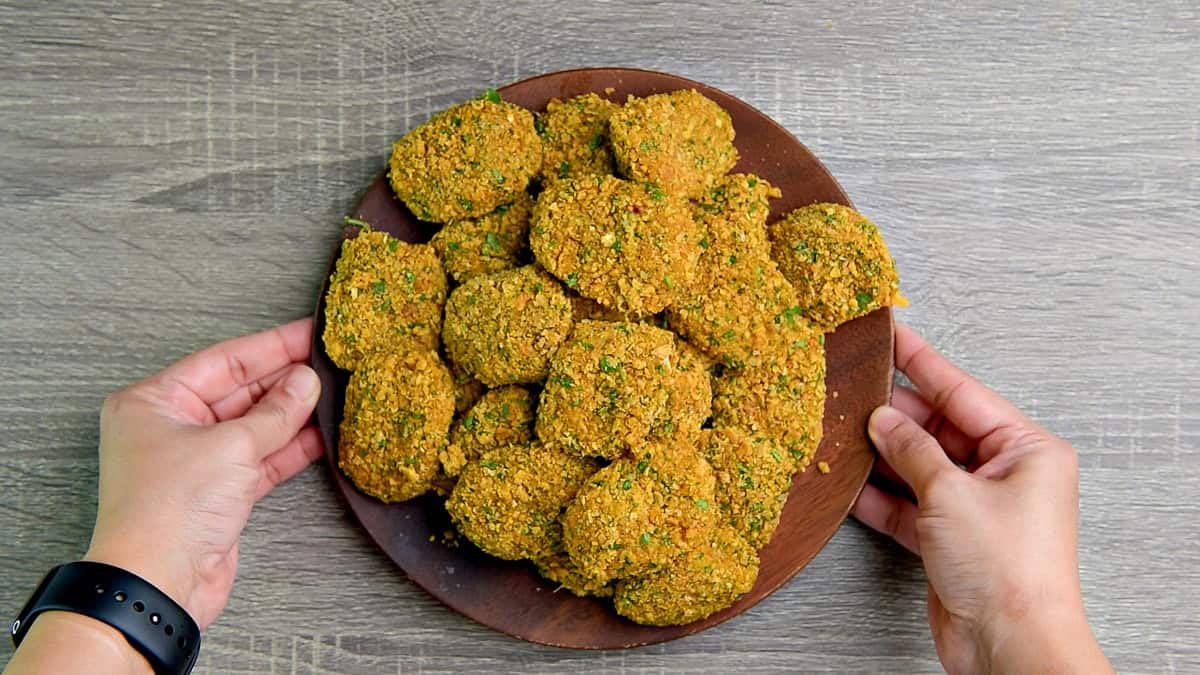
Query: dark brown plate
x=511, y=597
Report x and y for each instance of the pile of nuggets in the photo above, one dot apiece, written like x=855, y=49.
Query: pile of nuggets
x=606, y=360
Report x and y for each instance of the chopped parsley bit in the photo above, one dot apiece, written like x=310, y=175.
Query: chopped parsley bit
x=667, y=281
x=539, y=125
x=656, y=193
x=453, y=246
x=496, y=175
x=355, y=221
x=566, y=382
x=821, y=339
x=409, y=277
x=456, y=121
x=616, y=246
x=393, y=245
x=645, y=538
x=800, y=344
x=503, y=209
x=643, y=465
x=704, y=243
x=608, y=365
x=537, y=287
x=466, y=204
x=790, y=315
x=776, y=456
x=469, y=423
x=564, y=168
x=703, y=504
x=643, y=146
x=379, y=287
x=488, y=464
x=751, y=182
x=491, y=95
x=626, y=484
x=491, y=243
x=863, y=299
x=596, y=142
x=733, y=260
x=831, y=218
x=572, y=280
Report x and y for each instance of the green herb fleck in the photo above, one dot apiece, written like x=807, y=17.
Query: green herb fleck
x=566, y=382
x=608, y=365
x=355, y=221
x=863, y=299
x=496, y=175
x=469, y=423
x=643, y=465
x=572, y=280
x=645, y=538
x=379, y=287
x=751, y=182
x=491, y=243
x=466, y=204
x=667, y=281
x=704, y=243
x=488, y=464
x=596, y=142
x=703, y=504
x=656, y=193
x=564, y=169
x=539, y=125
x=491, y=95
x=626, y=484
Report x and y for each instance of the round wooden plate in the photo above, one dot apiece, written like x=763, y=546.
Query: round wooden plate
x=510, y=596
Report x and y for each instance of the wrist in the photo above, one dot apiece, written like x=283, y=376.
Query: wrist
x=177, y=583
x=1047, y=639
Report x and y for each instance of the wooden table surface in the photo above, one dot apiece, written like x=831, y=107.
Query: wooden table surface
x=172, y=174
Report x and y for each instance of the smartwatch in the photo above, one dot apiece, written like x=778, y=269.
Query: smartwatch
x=153, y=623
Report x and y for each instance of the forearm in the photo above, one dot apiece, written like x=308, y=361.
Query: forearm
x=64, y=642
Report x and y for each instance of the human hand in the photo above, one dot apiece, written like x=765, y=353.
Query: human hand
x=994, y=520
x=186, y=453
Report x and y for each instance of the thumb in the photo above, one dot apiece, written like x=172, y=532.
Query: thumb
x=908, y=448
x=282, y=412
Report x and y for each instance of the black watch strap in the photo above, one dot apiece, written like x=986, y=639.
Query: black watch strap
x=152, y=622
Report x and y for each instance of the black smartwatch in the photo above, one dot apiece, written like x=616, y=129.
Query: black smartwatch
x=153, y=623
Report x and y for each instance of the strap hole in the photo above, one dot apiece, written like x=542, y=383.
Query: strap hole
x=169, y=629
x=138, y=607
x=119, y=596
x=182, y=642
x=155, y=618
x=99, y=590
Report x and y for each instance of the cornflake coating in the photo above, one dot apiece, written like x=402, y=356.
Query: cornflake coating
x=608, y=388
x=753, y=478
x=689, y=398
x=502, y=417
x=396, y=421
x=509, y=501
x=384, y=295
x=466, y=160
x=784, y=400
x=734, y=309
x=557, y=567
x=629, y=246
x=641, y=512
x=585, y=308
x=838, y=262
x=704, y=581
x=467, y=389
x=490, y=243
x=503, y=327
x=681, y=141
x=575, y=137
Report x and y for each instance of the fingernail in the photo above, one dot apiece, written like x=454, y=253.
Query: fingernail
x=302, y=384
x=884, y=419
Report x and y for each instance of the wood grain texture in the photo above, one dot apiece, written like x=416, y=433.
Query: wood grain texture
x=173, y=174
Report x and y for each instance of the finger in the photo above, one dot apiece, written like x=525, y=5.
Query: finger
x=291, y=459
x=950, y=437
x=883, y=475
x=282, y=412
x=237, y=403
x=912, y=452
x=218, y=371
x=889, y=515
x=978, y=411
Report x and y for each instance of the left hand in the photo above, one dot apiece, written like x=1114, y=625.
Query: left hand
x=186, y=453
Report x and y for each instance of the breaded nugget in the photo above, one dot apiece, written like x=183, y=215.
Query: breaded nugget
x=467, y=389
x=753, y=478
x=557, y=567
x=733, y=310
x=702, y=582
x=503, y=327
x=509, y=501
x=783, y=400
x=628, y=246
x=838, y=262
x=502, y=417
x=396, y=421
x=689, y=396
x=466, y=160
x=608, y=388
x=384, y=295
x=641, y=512
x=680, y=141
x=491, y=243
x=575, y=137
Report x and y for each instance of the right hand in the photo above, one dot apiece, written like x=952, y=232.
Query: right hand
x=994, y=519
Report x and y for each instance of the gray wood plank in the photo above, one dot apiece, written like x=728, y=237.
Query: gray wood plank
x=173, y=175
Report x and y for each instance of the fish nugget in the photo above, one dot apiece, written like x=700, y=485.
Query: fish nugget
x=397, y=419
x=491, y=243
x=753, y=478
x=384, y=295
x=628, y=246
x=702, y=582
x=502, y=328
x=466, y=160
x=680, y=141
x=640, y=513
x=783, y=400
x=689, y=397
x=509, y=501
x=608, y=388
x=837, y=261
x=733, y=309
x=575, y=137
x=557, y=567
x=502, y=417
